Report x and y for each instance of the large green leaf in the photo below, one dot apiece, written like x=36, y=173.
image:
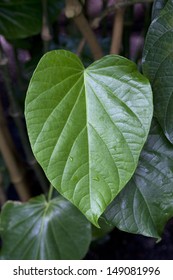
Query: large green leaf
x=44, y=230
x=146, y=203
x=158, y=65
x=88, y=126
x=23, y=18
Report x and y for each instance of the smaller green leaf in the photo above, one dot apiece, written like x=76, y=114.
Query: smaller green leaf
x=44, y=230
x=146, y=203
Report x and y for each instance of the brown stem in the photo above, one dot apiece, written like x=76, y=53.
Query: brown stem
x=12, y=162
x=80, y=47
x=113, y=8
x=17, y=116
x=89, y=35
x=117, y=32
x=74, y=10
x=96, y=21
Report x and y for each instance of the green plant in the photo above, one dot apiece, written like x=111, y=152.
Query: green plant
x=88, y=126
x=93, y=132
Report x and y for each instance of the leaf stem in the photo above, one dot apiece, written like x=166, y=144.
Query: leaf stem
x=117, y=31
x=74, y=10
x=17, y=116
x=45, y=33
x=120, y=4
x=49, y=197
x=12, y=161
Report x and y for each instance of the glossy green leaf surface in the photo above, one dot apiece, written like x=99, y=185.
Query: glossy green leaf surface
x=23, y=18
x=44, y=230
x=158, y=65
x=146, y=203
x=87, y=126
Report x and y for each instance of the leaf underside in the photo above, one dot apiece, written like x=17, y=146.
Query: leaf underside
x=87, y=126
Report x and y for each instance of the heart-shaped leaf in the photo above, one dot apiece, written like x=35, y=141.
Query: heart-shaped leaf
x=146, y=203
x=44, y=230
x=158, y=65
x=87, y=126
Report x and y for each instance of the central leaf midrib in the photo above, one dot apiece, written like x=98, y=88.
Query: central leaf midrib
x=87, y=125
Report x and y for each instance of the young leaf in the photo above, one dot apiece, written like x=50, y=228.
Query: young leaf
x=146, y=203
x=87, y=126
x=158, y=64
x=43, y=230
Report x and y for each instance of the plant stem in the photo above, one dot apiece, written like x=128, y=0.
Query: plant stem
x=118, y=5
x=74, y=10
x=49, y=197
x=45, y=33
x=19, y=75
x=11, y=159
x=117, y=32
x=80, y=46
x=17, y=116
x=89, y=35
x=122, y=4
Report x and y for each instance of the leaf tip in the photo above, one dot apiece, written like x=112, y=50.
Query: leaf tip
x=93, y=218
